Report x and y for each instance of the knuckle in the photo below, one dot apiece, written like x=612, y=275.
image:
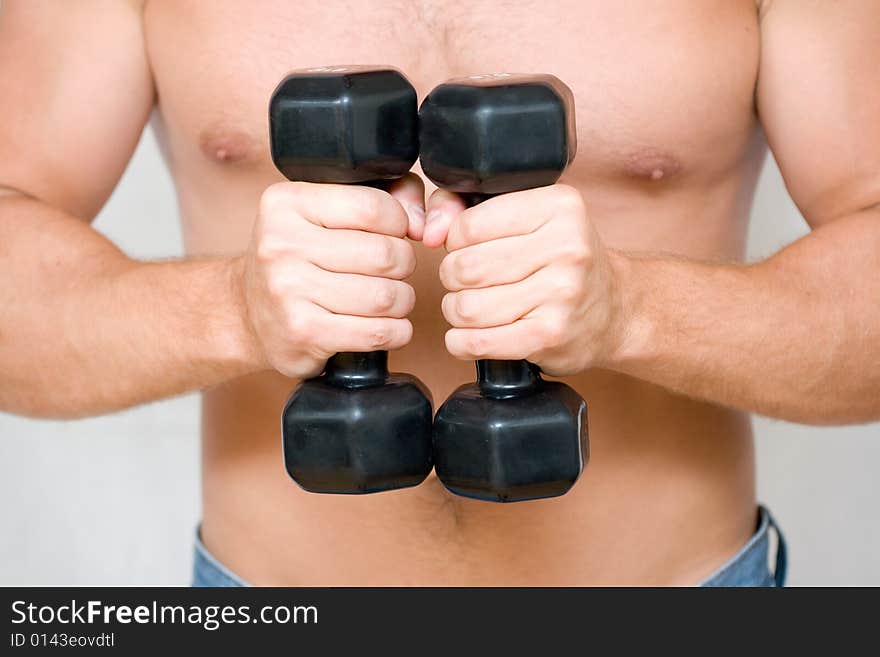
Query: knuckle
x=574, y=249
x=582, y=256
x=385, y=334
x=379, y=339
x=383, y=255
x=466, y=267
x=276, y=286
x=276, y=238
x=466, y=307
x=568, y=198
x=385, y=297
x=379, y=336
x=267, y=249
x=368, y=205
x=280, y=195
x=298, y=325
x=554, y=330
x=275, y=194
x=568, y=288
x=477, y=344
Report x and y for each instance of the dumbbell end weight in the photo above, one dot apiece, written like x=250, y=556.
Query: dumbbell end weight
x=472, y=143
x=349, y=124
x=489, y=446
x=357, y=428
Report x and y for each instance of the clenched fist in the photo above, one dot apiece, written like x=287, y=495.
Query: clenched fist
x=528, y=278
x=324, y=271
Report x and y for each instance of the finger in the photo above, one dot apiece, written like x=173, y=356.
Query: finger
x=514, y=341
x=410, y=193
x=356, y=207
x=492, y=306
x=356, y=252
x=443, y=208
x=365, y=296
x=499, y=262
x=350, y=333
x=516, y=213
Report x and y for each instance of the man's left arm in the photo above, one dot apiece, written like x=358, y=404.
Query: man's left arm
x=796, y=336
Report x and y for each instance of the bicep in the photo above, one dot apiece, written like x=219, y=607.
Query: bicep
x=819, y=101
x=75, y=94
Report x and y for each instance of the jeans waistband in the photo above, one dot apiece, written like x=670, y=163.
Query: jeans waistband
x=208, y=571
x=750, y=565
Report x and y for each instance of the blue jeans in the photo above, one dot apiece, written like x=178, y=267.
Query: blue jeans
x=748, y=567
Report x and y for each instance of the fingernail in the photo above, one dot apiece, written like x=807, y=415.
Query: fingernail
x=433, y=216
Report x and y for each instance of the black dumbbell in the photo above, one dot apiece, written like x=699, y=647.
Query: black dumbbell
x=356, y=428
x=512, y=435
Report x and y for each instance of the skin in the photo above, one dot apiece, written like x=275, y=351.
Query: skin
x=626, y=278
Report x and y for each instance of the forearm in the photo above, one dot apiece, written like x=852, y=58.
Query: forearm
x=85, y=330
x=795, y=337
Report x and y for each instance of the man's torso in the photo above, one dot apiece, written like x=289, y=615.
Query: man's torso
x=668, y=153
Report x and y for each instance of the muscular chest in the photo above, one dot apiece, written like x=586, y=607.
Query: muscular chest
x=664, y=90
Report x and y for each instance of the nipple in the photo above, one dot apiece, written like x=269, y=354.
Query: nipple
x=225, y=145
x=651, y=163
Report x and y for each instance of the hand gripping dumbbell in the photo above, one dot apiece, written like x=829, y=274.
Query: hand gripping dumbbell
x=512, y=435
x=356, y=428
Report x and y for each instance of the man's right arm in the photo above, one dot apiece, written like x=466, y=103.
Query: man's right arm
x=83, y=328
x=86, y=330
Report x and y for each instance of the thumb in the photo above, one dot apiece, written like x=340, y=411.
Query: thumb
x=443, y=208
x=409, y=191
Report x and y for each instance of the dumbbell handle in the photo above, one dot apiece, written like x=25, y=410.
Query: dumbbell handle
x=353, y=369
x=502, y=378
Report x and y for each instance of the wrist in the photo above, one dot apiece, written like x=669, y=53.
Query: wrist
x=235, y=336
x=631, y=329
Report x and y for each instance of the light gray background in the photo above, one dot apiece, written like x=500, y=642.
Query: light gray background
x=114, y=500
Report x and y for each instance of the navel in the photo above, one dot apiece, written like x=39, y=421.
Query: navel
x=651, y=164
x=225, y=145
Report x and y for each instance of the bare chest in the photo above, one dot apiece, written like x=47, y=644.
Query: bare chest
x=663, y=90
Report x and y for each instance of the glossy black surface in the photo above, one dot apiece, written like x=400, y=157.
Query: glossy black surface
x=492, y=135
x=356, y=428
x=511, y=436
x=344, y=125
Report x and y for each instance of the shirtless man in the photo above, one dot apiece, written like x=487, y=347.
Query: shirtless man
x=631, y=290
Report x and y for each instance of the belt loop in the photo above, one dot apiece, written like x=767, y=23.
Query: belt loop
x=779, y=572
